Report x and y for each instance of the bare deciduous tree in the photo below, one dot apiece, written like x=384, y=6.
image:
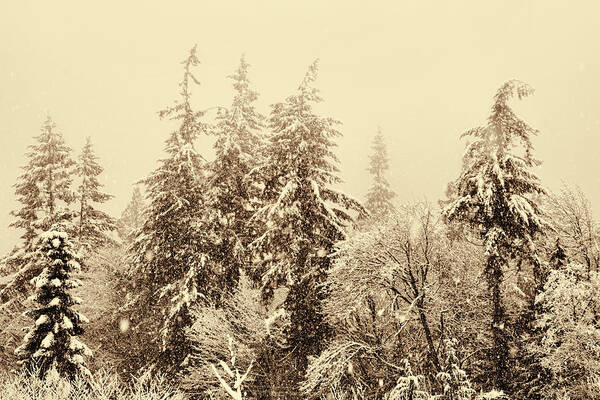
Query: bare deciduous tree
x=573, y=221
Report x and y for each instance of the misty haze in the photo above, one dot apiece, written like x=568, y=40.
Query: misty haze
x=310, y=200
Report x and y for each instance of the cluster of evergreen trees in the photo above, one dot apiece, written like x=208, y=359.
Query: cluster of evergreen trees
x=47, y=196
x=255, y=262
x=58, y=223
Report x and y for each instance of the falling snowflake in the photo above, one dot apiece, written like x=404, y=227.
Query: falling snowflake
x=124, y=325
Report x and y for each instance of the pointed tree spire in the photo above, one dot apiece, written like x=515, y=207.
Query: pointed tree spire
x=380, y=196
x=51, y=343
x=93, y=225
x=44, y=188
x=190, y=126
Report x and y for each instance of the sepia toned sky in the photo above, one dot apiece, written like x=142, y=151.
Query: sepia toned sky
x=424, y=70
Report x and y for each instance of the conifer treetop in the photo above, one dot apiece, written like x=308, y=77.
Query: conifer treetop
x=306, y=88
x=380, y=195
x=239, y=127
x=504, y=126
x=93, y=224
x=182, y=110
x=302, y=141
x=45, y=184
x=89, y=169
x=378, y=161
x=245, y=95
x=497, y=183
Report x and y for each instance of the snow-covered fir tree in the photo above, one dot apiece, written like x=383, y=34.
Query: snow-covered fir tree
x=495, y=195
x=132, y=218
x=232, y=196
x=304, y=216
x=44, y=192
x=52, y=343
x=44, y=188
x=169, y=263
x=92, y=225
x=380, y=195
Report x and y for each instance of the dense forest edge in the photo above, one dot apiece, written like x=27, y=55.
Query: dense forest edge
x=253, y=276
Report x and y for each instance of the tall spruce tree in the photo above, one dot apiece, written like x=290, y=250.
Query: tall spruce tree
x=52, y=341
x=304, y=217
x=380, y=196
x=132, y=218
x=44, y=191
x=495, y=195
x=92, y=225
x=169, y=262
x=232, y=194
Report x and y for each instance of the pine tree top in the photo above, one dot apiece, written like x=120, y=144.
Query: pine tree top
x=238, y=127
x=89, y=169
x=505, y=129
x=93, y=223
x=43, y=189
x=378, y=160
x=190, y=126
x=244, y=93
x=136, y=204
x=380, y=195
x=301, y=142
x=49, y=151
x=307, y=90
x=496, y=188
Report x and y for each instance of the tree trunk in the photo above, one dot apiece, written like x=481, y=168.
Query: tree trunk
x=432, y=351
x=499, y=355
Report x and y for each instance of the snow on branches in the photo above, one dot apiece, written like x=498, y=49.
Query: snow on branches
x=495, y=195
x=52, y=343
x=93, y=225
x=168, y=255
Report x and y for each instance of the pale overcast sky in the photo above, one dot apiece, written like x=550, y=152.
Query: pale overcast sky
x=423, y=70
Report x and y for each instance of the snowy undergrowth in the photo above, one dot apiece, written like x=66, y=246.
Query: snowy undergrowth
x=104, y=386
